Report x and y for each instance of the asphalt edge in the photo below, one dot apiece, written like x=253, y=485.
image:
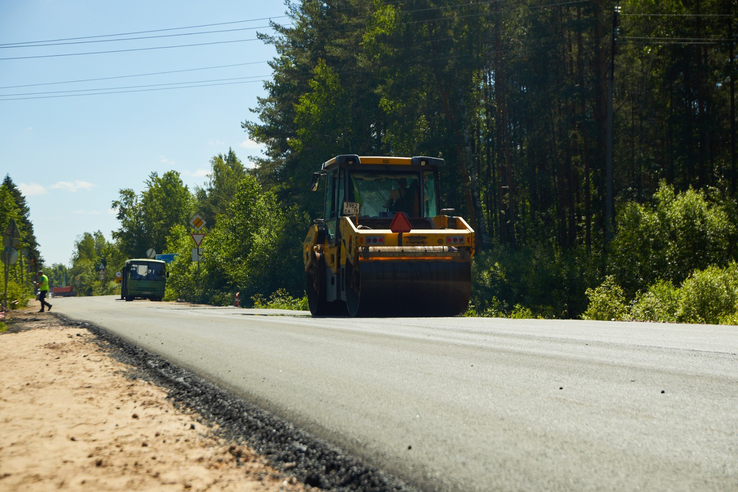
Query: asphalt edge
x=290, y=450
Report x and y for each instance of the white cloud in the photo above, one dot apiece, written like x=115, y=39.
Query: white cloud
x=164, y=160
x=113, y=211
x=251, y=145
x=29, y=129
x=73, y=187
x=216, y=143
x=200, y=173
x=31, y=189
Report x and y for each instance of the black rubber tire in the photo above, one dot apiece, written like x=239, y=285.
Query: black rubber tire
x=316, y=297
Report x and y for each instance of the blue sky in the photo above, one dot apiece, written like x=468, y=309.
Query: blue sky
x=71, y=155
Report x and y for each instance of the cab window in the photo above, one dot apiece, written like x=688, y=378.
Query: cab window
x=381, y=194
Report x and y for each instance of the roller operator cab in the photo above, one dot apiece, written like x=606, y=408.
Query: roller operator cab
x=383, y=247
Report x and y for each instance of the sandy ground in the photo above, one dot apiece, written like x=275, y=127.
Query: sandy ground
x=73, y=418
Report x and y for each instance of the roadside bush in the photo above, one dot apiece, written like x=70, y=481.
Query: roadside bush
x=709, y=296
x=18, y=296
x=668, y=240
x=731, y=319
x=550, y=284
x=659, y=303
x=493, y=309
x=184, y=280
x=521, y=312
x=281, y=299
x=606, y=302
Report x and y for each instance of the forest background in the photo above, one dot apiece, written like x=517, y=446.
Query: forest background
x=515, y=97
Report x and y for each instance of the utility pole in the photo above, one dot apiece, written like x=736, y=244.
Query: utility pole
x=732, y=107
x=610, y=205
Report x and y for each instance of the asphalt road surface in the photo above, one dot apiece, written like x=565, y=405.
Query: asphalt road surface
x=471, y=403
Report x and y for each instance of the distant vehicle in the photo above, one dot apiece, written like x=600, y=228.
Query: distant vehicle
x=64, y=291
x=143, y=278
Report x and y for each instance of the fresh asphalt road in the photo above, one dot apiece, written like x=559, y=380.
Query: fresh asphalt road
x=471, y=403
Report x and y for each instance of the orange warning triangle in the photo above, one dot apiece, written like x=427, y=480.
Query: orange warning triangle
x=401, y=223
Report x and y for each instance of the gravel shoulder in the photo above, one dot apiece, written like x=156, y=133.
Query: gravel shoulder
x=82, y=409
x=74, y=417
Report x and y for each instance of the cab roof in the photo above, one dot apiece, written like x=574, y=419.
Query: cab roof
x=350, y=160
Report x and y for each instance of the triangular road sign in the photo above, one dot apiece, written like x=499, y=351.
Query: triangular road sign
x=197, y=238
x=401, y=223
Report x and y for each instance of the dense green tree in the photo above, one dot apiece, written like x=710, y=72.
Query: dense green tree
x=213, y=199
x=131, y=236
x=253, y=249
x=30, y=243
x=165, y=203
x=147, y=219
x=94, y=263
x=59, y=275
x=18, y=281
x=321, y=100
x=8, y=208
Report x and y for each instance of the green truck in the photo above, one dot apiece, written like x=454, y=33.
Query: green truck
x=143, y=278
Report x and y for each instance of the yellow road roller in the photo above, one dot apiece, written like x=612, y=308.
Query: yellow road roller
x=383, y=247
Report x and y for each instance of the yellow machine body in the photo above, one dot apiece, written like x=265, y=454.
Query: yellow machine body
x=383, y=248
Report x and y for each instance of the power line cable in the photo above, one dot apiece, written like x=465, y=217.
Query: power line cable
x=231, y=41
x=133, y=33
x=220, y=31
x=130, y=91
x=677, y=15
x=132, y=75
x=198, y=84
x=129, y=50
x=683, y=43
x=676, y=40
x=169, y=86
x=163, y=84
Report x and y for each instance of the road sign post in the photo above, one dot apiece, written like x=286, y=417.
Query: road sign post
x=197, y=238
x=6, y=258
x=198, y=223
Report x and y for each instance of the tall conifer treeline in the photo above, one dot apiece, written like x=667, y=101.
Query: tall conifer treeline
x=514, y=96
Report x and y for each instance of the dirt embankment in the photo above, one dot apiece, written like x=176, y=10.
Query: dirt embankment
x=73, y=418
